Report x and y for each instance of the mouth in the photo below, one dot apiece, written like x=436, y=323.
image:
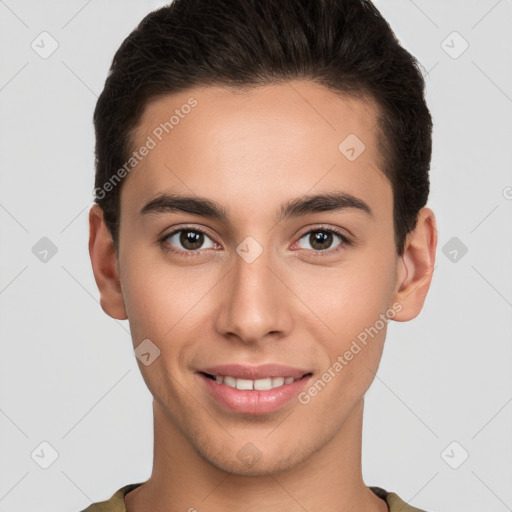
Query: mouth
x=253, y=396
x=263, y=384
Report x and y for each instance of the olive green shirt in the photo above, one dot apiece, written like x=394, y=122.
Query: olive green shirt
x=116, y=502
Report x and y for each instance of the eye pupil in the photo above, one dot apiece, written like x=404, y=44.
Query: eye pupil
x=191, y=240
x=319, y=238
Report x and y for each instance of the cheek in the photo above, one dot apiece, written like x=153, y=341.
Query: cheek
x=345, y=300
x=351, y=308
x=162, y=300
x=348, y=303
x=151, y=300
x=159, y=306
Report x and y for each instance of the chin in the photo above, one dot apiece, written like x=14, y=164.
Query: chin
x=258, y=469
x=267, y=463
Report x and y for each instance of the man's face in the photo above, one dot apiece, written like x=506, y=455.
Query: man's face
x=256, y=288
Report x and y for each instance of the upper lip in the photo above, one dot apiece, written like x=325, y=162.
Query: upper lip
x=240, y=371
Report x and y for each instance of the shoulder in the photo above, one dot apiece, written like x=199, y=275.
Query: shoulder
x=115, y=503
x=395, y=503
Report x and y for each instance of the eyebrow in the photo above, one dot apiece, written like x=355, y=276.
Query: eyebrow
x=336, y=201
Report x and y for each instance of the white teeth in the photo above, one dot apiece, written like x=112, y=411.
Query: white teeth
x=263, y=384
x=230, y=381
x=244, y=384
x=277, y=381
x=259, y=384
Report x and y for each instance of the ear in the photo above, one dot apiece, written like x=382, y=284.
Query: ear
x=105, y=265
x=416, y=266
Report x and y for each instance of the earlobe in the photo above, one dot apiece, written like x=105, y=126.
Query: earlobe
x=105, y=265
x=416, y=266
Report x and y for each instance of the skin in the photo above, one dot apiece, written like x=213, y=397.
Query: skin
x=252, y=152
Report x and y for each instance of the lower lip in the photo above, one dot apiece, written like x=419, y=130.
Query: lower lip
x=254, y=402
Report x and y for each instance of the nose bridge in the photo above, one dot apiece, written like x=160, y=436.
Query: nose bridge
x=253, y=305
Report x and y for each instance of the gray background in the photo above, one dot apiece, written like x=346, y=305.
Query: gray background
x=68, y=375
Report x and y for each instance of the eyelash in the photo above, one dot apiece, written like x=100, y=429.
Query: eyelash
x=326, y=252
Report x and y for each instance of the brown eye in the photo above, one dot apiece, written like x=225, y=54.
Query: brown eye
x=191, y=240
x=322, y=240
x=187, y=240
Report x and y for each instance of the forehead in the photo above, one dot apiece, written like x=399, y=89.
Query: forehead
x=239, y=146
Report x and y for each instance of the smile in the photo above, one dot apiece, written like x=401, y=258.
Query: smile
x=248, y=384
x=253, y=396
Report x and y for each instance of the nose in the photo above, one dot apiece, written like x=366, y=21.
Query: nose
x=255, y=302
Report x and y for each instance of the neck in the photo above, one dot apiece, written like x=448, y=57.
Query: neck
x=182, y=480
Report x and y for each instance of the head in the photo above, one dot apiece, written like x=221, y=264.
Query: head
x=288, y=119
